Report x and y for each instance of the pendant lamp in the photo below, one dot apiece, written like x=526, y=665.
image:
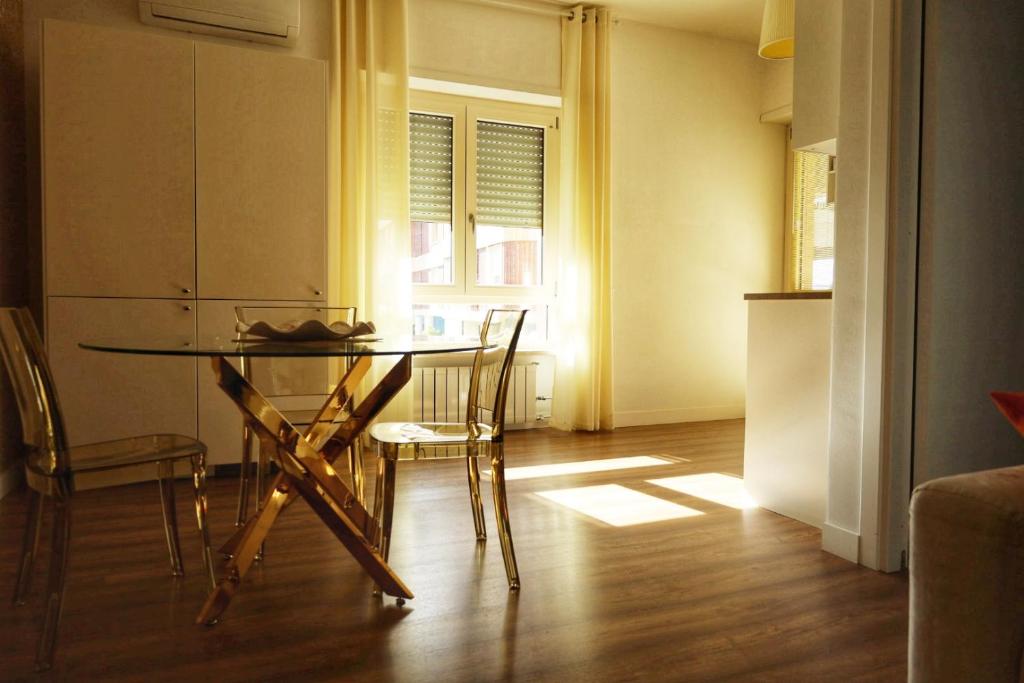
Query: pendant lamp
x=777, y=29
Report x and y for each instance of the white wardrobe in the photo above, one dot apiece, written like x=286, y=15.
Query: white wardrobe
x=180, y=178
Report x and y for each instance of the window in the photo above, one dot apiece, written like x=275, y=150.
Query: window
x=811, y=238
x=482, y=198
x=430, y=198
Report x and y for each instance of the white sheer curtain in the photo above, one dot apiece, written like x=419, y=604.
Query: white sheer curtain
x=583, y=339
x=369, y=167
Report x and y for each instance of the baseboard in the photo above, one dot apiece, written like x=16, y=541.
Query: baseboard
x=227, y=470
x=636, y=418
x=841, y=542
x=10, y=479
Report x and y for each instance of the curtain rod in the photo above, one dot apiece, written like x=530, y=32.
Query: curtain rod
x=507, y=4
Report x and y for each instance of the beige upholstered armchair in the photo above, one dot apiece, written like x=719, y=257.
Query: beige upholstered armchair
x=967, y=578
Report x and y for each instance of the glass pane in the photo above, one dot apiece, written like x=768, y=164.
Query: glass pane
x=438, y=322
x=509, y=204
x=430, y=198
x=508, y=256
x=432, y=252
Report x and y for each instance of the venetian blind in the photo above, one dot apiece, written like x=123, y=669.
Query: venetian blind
x=813, y=235
x=430, y=168
x=509, y=175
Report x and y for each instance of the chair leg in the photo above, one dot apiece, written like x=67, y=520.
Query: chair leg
x=55, y=584
x=243, y=479
x=378, y=495
x=166, y=473
x=473, y=472
x=262, y=478
x=355, y=467
x=384, y=499
x=28, y=547
x=199, y=492
x=501, y=513
x=389, y=472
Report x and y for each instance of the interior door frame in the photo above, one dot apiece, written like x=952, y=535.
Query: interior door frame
x=901, y=290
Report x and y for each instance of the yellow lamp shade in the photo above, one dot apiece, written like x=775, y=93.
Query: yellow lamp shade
x=777, y=29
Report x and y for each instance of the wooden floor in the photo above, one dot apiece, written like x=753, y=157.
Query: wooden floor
x=727, y=595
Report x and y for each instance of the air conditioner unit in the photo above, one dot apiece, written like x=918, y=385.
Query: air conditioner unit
x=261, y=21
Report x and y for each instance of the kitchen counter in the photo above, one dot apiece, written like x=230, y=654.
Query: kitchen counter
x=785, y=457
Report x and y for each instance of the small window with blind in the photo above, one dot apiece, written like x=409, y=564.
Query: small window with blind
x=481, y=210
x=811, y=238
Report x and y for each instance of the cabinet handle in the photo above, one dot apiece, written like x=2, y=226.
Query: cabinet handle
x=317, y=292
x=187, y=308
x=186, y=290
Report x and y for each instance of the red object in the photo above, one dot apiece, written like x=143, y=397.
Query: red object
x=1011, y=404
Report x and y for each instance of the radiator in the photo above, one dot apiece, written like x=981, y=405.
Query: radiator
x=441, y=392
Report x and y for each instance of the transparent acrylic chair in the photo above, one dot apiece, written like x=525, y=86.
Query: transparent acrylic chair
x=51, y=465
x=481, y=435
x=289, y=377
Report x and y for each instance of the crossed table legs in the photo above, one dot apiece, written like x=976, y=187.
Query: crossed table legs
x=307, y=472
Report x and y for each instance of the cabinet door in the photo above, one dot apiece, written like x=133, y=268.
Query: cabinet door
x=291, y=384
x=111, y=395
x=261, y=146
x=118, y=164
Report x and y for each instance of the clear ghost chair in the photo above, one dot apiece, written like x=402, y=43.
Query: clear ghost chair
x=481, y=435
x=51, y=465
x=276, y=377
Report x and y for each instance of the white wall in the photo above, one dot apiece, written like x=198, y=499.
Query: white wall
x=971, y=276
x=697, y=213
x=777, y=90
x=490, y=46
x=13, y=238
x=697, y=180
x=819, y=26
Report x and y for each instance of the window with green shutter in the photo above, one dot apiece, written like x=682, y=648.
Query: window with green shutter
x=430, y=198
x=509, y=219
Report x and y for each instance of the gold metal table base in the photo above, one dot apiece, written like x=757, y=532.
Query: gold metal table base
x=322, y=425
x=306, y=471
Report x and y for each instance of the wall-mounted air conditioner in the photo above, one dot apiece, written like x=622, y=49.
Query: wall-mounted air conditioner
x=261, y=21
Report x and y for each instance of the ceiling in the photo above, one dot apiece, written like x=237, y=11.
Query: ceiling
x=732, y=19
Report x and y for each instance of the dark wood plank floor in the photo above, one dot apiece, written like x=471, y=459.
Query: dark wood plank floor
x=729, y=595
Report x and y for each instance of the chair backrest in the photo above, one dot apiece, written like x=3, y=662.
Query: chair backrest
x=292, y=376
x=42, y=426
x=492, y=370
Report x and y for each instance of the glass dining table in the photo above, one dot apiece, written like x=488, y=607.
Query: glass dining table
x=305, y=459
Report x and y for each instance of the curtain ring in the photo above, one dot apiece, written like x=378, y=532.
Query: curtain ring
x=572, y=14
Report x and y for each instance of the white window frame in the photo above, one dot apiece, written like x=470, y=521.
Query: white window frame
x=464, y=112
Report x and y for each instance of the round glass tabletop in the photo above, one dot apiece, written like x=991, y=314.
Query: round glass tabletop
x=256, y=348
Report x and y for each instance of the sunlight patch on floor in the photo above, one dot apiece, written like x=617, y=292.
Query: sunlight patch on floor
x=618, y=505
x=715, y=487
x=582, y=467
